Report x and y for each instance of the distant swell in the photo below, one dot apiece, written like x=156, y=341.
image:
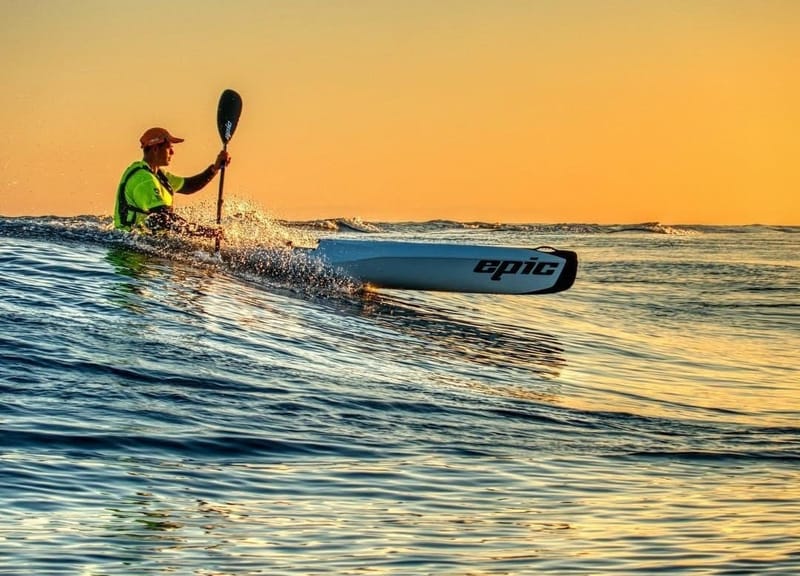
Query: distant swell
x=218, y=446
x=788, y=457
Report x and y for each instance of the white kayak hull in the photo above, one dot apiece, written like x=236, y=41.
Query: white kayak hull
x=450, y=267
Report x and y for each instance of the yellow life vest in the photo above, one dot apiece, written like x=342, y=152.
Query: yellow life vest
x=140, y=192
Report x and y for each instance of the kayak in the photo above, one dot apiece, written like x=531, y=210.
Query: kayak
x=450, y=267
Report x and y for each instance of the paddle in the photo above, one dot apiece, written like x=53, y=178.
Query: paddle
x=228, y=112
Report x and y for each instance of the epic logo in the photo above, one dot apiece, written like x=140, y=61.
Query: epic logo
x=228, y=130
x=499, y=267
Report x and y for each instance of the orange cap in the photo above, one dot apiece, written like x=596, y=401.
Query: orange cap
x=155, y=136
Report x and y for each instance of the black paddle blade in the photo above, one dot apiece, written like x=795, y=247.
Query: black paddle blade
x=228, y=112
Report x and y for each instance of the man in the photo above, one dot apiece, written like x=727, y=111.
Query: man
x=145, y=192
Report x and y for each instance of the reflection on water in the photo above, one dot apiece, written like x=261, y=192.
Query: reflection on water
x=491, y=345
x=417, y=514
x=146, y=282
x=132, y=265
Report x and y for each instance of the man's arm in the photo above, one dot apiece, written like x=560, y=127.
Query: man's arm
x=197, y=182
x=162, y=218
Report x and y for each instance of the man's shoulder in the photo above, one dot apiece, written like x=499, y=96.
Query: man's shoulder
x=136, y=167
x=137, y=172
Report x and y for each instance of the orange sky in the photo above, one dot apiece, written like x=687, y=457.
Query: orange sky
x=518, y=111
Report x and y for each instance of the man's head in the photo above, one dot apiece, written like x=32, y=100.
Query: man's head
x=156, y=136
x=157, y=145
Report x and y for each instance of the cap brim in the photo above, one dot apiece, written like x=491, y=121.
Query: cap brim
x=160, y=140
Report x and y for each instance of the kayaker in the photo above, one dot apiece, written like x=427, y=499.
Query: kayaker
x=145, y=192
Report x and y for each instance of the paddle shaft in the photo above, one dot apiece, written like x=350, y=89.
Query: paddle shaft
x=219, y=198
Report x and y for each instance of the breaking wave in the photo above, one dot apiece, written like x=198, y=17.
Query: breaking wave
x=256, y=247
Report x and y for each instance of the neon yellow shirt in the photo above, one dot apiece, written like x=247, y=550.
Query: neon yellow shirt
x=141, y=191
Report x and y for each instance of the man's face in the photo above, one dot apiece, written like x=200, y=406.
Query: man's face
x=164, y=152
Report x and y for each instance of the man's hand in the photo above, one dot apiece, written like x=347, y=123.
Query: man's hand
x=223, y=159
x=206, y=231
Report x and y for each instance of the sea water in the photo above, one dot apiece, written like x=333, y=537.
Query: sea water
x=167, y=411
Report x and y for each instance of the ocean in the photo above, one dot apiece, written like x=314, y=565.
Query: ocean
x=164, y=411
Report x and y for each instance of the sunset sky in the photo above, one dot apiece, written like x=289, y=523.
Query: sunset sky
x=608, y=111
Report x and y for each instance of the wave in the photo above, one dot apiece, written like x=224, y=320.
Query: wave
x=653, y=227
x=261, y=248
x=787, y=457
x=354, y=224
x=256, y=248
x=247, y=220
x=219, y=445
x=335, y=225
